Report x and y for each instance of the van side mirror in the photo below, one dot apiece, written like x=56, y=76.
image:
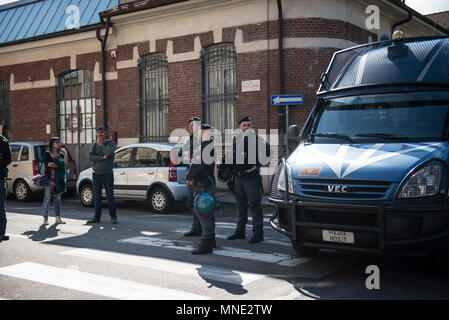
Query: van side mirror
x=293, y=134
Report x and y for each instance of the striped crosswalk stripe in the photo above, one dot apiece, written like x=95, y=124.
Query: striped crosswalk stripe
x=167, y=265
x=93, y=283
x=275, y=258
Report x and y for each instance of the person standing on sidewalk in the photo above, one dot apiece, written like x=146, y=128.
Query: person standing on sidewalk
x=5, y=160
x=201, y=176
x=187, y=154
x=248, y=183
x=55, y=160
x=102, y=155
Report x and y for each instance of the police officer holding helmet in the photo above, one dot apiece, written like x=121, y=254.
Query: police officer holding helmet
x=5, y=160
x=201, y=175
x=248, y=182
x=187, y=154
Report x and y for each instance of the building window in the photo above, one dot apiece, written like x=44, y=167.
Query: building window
x=220, y=95
x=153, y=70
x=5, y=117
x=76, y=107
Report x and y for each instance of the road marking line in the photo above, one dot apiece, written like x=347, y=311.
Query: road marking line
x=267, y=240
x=94, y=284
x=166, y=265
x=231, y=225
x=275, y=258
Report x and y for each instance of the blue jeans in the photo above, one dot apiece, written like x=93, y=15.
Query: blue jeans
x=249, y=195
x=207, y=219
x=2, y=207
x=107, y=180
x=47, y=200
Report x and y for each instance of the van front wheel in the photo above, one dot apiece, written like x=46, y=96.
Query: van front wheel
x=303, y=251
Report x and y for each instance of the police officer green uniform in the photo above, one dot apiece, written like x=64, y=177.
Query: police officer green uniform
x=201, y=175
x=5, y=160
x=248, y=185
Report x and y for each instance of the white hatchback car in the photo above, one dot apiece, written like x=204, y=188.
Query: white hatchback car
x=26, y=163
x=144, y=172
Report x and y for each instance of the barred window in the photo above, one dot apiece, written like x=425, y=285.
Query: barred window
x=5, y=117
x=220, y=95
x=153, y=70
x=76, y=107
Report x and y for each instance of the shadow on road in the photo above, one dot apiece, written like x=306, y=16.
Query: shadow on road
x=42, y=233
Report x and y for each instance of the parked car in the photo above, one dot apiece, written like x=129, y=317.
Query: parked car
x=142, y=172
x=26, y=163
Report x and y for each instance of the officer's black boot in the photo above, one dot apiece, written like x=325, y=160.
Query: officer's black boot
x=205, y=247
x=256, y=238
x=237, y=235
x=192, y=233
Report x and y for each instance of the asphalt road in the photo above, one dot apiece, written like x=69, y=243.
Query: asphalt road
x=145, y=256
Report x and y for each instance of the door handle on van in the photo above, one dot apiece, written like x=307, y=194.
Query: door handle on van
x=150, y=172
x=122, y=173
x=14, y=165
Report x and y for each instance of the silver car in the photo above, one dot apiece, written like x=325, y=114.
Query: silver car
x=26, y=163
x=142, y=172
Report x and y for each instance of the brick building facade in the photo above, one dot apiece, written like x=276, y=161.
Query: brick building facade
x=38, y=73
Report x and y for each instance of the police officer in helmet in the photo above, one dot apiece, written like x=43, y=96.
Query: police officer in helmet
x=247, y=181
x=201, y=175
x=5, y=160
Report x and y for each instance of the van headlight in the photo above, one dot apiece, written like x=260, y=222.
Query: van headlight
x=281, y=181
x=424, y=183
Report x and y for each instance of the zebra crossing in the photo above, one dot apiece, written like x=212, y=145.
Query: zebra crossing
x=275, y=253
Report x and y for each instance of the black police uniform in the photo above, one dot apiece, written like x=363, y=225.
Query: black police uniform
x=5, y=160
x=195, y=229
x=248, y=192
x=204, y=181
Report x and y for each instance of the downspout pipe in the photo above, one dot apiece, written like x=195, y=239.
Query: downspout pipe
x=281, y=112
x=103, y=41
x=397, y=24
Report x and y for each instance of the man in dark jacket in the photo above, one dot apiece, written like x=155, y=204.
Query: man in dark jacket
x=201, y=175
x=102, y=155
x=248, y=182
x=5, y=160
x=187, y=154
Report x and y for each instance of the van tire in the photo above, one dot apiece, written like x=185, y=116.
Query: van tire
x=159, y=200
x=304, y=251
x=22, y=191
x=87, y=195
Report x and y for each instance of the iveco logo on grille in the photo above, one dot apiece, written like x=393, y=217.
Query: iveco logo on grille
x=338, y=189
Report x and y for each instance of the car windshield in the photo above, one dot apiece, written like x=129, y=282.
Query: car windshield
x=417, y=116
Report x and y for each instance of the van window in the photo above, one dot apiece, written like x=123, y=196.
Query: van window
x=25, y=156
x=39, y=152
x=145, y=157
x=15, y=151
x=420, y=116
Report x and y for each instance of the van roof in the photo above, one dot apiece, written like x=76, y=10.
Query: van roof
x=402, y=61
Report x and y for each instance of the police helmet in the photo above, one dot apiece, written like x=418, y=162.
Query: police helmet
x=204, y=202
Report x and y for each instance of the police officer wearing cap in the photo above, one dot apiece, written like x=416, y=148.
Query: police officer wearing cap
x=248, y=183
x=5, y=160
x=201, y=175
x=187, y=154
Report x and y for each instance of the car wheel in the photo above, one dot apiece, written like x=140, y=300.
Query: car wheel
x=159, y=200
x=303, y=251
x=87, y=195
x=22, y=191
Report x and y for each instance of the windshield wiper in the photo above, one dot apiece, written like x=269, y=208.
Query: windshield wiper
x=387, y=136
x=332, y=135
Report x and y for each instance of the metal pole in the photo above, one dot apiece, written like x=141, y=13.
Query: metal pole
x=286, y=130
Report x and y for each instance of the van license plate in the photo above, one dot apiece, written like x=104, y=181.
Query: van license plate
x=338, y=236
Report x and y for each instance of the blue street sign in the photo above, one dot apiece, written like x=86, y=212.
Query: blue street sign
x=287, y=99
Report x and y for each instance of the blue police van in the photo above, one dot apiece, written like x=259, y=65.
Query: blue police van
x=370, y=169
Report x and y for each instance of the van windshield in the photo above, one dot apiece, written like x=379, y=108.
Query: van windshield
x=417, y=116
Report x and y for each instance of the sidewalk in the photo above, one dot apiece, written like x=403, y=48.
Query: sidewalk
x=228, y=197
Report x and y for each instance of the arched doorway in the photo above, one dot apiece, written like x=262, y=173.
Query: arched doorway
x=76, y=114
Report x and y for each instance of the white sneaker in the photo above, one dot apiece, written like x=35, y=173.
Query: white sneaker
x=59, y=221
x=45, y=220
